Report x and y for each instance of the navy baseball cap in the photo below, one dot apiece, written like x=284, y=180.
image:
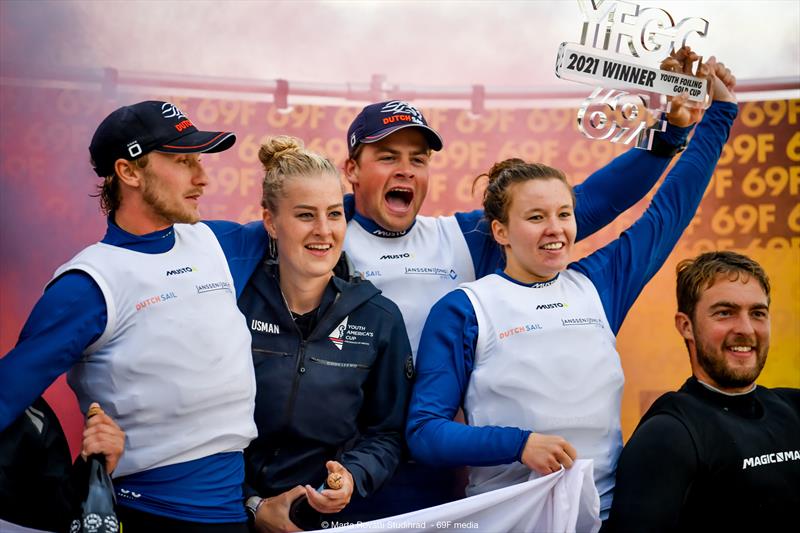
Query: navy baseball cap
x=376, y=121
x=135, y=130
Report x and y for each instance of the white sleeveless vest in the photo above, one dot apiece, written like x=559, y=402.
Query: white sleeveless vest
x=415, y=270
x=546, y=361
x=173, y=366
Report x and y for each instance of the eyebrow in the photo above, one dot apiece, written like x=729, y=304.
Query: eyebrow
x=386, y=149
x=726, y=304
x=535, y=209
x=314, y=208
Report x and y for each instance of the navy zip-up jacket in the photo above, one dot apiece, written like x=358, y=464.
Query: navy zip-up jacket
x=341, y=394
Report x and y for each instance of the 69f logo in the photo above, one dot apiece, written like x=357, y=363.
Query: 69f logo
x=620, y=117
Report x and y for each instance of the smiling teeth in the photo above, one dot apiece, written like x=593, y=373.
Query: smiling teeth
x=741, y=348
x=553, y=246
x=319, y=246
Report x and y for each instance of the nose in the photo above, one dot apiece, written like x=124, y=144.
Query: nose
x=404, y=168
x=322, y=226
x=744, y=325
x=553, y=225
x=199, y=178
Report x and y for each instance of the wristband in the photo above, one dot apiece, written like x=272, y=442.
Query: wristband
x=253, y=504
x=662, y=148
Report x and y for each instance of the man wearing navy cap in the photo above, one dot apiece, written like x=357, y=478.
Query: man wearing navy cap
x=146, y=323
x=415, y=260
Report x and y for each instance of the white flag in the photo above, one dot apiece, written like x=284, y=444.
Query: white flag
x=563, y=502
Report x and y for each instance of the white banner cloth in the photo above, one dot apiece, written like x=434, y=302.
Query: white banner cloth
x=563, y=502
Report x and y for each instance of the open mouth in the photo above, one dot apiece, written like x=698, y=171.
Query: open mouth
x=552, y=246
x=741, y=350
x=318, y=249
x=399, y=199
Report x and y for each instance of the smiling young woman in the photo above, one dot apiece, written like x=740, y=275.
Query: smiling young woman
x=529, y=351
x=331, y=355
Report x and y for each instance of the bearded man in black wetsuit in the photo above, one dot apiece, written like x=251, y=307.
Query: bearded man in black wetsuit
x=720, y=454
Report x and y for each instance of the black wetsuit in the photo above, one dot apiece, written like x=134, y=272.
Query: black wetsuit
x=705, y=461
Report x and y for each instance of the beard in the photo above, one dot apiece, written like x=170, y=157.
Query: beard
x=171, y=211
x=716, y=365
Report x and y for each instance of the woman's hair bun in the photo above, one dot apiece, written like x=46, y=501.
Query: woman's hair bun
x=276, y=147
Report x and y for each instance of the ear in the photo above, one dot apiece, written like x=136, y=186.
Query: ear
x=269, y=223
x=500, y=232
x=128, y=172
x=350, y=171
x=684, y=326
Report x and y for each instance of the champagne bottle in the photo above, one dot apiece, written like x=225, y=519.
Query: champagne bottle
x=306, y=517
x=97, y=510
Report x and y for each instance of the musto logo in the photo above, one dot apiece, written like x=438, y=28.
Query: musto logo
x=556, y=305
x=182, y=270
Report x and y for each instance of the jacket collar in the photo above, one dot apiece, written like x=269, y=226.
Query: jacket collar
x=341, y=297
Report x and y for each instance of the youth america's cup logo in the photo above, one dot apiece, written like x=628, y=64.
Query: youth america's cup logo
x=337, y=335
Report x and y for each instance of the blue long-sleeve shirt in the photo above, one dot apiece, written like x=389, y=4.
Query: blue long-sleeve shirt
x=619, y=271
x=71, y=315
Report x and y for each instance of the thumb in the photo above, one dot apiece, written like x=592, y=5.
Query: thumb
x=296, y=492
x=94, y=409
x=334, y=466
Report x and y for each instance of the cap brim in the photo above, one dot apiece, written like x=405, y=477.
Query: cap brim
x=199, y=142
x=434, y=141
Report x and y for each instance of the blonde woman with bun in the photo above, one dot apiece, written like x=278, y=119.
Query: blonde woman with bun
x=331, y=355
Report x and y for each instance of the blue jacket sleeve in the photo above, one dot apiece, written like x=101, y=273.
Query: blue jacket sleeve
x=624, y=181
x=444, y=364
x=621, y=269
x=599, y=200
x=243, y=246
x=70, y=315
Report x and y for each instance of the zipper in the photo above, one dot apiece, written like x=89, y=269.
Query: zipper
x=300, y=369
x=338, y=364
x=271, y=352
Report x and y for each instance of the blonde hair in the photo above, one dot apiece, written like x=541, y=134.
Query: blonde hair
x=285, y=157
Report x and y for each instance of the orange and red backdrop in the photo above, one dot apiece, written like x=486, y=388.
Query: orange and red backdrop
x=751, y=204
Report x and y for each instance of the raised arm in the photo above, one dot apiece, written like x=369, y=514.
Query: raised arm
x=621, y=269
x=613, y=189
